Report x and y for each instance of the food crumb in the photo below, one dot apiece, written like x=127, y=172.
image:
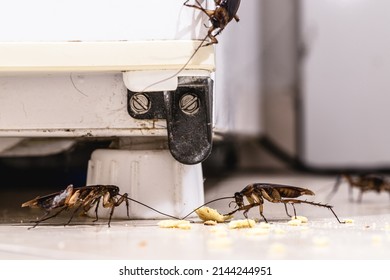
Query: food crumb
x=247, y=223
x=181, y=224
x=207, y=214
x=184, y=226
x=210, y=223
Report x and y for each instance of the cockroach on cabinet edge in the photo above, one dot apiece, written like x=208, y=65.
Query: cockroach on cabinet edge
x=82, y=199
x=224, y=12
x=256, y=193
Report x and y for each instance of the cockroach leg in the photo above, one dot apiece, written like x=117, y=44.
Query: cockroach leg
x=46, y=217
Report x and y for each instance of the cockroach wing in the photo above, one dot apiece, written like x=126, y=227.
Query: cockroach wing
x=284, y=190
x=33, y=203
x=293, y=192
x=232, y=7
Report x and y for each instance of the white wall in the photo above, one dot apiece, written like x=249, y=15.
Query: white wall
x=238, y=74
x=97, y=20
x=346, y=83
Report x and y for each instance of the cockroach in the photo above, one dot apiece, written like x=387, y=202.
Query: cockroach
x=82, y=199
x=363, y=182
x=224, y=12
x=256, y=193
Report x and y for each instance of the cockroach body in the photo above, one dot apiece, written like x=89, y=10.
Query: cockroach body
x=224, y=12
x=82, y=199
x=363, y=182
x=256, y=193
x=275, y=193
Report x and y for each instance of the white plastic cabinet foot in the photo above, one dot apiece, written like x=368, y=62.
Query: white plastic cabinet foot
x=152, y=177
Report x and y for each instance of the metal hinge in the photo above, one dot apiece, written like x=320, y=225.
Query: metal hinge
x=188, y=112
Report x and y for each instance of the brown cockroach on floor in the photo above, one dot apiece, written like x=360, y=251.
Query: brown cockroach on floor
x=363, y=182
x=256, y=193
x=82, y=199
x=224, y=12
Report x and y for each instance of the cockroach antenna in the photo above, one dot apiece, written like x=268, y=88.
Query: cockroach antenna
x=151, y=208
x=214, y=200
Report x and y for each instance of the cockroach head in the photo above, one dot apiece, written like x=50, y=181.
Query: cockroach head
x=113, y=190
x=239, y=199
x=215, y=22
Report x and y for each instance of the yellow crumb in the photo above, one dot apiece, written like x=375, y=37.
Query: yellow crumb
x=247, y=223
x=207, y=214
x=348, y=221
x=181, y=224
x=210, y=223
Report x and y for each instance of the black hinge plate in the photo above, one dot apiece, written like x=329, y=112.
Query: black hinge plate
x=188, y=112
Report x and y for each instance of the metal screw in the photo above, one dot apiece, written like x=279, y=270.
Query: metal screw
x=189, y=104
x=140, y=103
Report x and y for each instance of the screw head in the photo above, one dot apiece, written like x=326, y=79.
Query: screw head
x=140, y=103
x=189, y=104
